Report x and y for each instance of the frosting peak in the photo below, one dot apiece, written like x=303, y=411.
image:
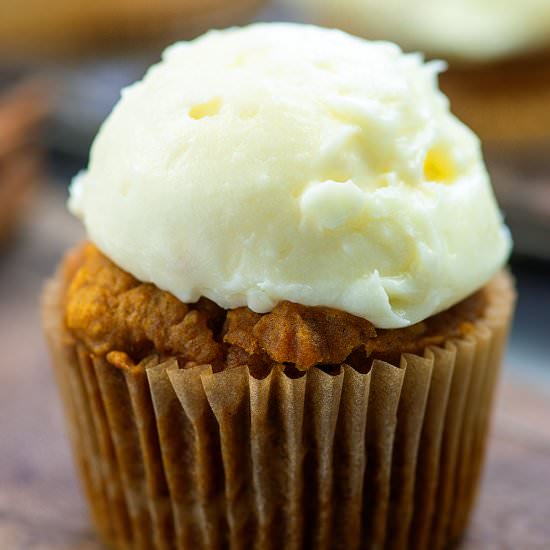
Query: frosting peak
x=286, y=162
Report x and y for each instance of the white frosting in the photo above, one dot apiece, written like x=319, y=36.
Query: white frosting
x=467, y=29
x=285, y=162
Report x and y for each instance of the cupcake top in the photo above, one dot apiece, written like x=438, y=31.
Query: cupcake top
x=286, y=162
x=472, y=30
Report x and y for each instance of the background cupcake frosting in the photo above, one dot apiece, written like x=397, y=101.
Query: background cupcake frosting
x=471, y=30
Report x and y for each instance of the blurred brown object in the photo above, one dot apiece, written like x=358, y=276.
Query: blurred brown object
x=22, y=109
x=64, y=27
x=521, y=179
x=506, y=102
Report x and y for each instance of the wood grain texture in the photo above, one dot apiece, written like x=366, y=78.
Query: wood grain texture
x=41, y=507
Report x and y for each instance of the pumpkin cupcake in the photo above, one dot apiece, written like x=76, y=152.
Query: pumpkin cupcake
x=287, y=324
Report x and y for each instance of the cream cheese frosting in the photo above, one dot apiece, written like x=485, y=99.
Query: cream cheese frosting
x=473, y=30
x=288, y=162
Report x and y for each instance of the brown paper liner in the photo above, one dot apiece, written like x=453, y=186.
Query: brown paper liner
x=173, y=458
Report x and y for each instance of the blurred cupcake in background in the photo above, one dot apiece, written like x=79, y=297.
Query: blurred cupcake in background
x=23, y=108
x=31, y=27
x=498, y=53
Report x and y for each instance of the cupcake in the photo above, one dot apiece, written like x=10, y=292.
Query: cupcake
x=287, y=324
x=498, y=52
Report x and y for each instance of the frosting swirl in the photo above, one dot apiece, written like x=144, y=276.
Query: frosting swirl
x=286, y=162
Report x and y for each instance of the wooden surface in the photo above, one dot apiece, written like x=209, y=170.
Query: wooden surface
x=40, y=504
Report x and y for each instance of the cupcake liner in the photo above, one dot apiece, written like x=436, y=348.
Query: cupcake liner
x=173, y=458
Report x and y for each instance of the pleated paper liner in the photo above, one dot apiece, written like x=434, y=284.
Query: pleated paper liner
x=172, y=458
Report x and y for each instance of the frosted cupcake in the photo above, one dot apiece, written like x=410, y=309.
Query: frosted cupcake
x=287, y=325
x=498, y=52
